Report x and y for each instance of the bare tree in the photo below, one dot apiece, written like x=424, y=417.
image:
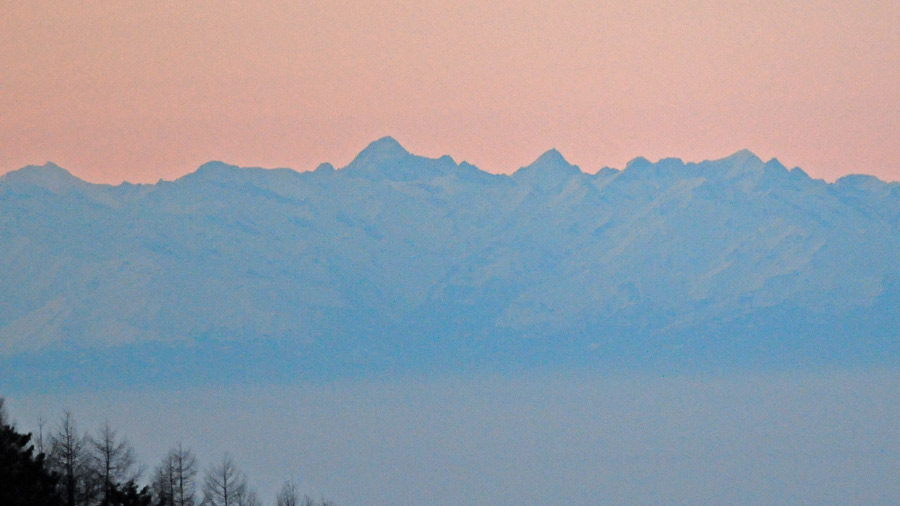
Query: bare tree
x=288, y=495
x=69, y=457
x=248, y=498
x=173, y=479
x=163, y=481
x=113, y=460
x=226, y=485
x=309, y=501
x=185, y=469
x=40, y=438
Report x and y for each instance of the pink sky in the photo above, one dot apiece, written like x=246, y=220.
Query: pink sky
x=138, y=91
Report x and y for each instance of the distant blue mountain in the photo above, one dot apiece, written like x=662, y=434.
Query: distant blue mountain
x=401, y=263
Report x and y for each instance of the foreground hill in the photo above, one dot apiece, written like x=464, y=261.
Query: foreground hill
x=401, y=262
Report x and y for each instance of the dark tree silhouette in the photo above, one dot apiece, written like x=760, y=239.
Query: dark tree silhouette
x=226, y=485
x=128, y=494
x=288, y=495
x=102, y=471
x=114, y=461
x=173, y=479
x=24, y=478
x=69, y=457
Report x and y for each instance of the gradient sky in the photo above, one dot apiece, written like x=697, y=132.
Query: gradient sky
x=140, y=91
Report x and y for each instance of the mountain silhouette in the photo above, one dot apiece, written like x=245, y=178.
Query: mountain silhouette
x=400, y=262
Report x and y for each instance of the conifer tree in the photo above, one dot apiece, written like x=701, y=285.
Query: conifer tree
x=173, y=478
x=69, y=457
x=226, y=485
x=288, y=495
x=113, y=459
x=24, y=477
x=128, y=494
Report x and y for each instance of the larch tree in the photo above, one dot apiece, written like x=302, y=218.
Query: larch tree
x=113, y=461
x=288, y=495
x=69, y=458
x=163, y=481
x=225, y=485
x=173, y=478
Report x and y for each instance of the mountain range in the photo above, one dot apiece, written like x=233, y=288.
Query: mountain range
x=403, y=263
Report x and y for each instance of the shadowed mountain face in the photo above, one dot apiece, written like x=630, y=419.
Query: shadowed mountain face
x=401, y=263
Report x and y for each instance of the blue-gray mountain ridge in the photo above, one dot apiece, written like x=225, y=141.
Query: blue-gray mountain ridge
x=403, y=263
